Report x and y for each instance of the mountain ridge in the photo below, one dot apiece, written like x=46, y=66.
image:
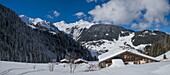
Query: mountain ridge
x=102, y=37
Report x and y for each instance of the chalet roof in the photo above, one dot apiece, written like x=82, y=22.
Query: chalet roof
x=113, y=53
x=161, y=56
x=80, y=61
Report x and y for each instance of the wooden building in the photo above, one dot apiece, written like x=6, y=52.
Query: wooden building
x=128, y=57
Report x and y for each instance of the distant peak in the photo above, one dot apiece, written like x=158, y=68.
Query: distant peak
x=61, y=22
x=81, y=20
x=38, y=19
x=22, y=16
x=29, y=20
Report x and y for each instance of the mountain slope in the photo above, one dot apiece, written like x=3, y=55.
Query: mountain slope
x=104, y=37
x=147, y=37
x=19, y=42
x=103, y=31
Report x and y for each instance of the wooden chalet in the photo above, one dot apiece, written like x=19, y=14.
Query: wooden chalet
x=128, y=57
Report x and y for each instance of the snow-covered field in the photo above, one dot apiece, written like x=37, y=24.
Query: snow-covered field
x=16, y=68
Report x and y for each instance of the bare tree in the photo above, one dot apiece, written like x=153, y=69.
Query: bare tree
x=72, y=56
x=51, y=66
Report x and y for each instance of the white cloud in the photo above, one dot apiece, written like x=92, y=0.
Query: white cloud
x=49, y=16
x=157, y=27
x=80, y=14
x=56, y=14
x=88, y=1
x=141, y=26
x=52, y=14
x=145, y=12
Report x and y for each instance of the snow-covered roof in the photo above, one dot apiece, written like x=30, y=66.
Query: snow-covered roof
x=141, y=54
x=113, y=53
x=64, y=60
x=110, y=54
x=161, y=56
x=80, y=60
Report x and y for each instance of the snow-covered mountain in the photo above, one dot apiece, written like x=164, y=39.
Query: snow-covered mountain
x=37, y=23
x=29, y=20
x=74, y=29
x=102, y=37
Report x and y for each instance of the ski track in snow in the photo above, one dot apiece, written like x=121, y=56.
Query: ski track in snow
x=9, y=70
x=31, y=71
x=23, y=73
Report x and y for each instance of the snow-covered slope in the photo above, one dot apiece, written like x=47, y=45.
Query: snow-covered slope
x=104, y=38
x=106, y=45
x=74, y=29
x=15, y=68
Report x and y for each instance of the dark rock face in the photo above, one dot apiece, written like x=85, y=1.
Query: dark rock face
x=18, y=42
x=147, y=37
x=100, y=31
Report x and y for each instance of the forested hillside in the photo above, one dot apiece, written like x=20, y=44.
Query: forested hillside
x=160, y=47
x=19, y=42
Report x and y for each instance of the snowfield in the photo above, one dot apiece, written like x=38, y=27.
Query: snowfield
x=122, y=42
x=16, y=68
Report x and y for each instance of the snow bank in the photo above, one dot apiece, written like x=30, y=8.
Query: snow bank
x=117, y=63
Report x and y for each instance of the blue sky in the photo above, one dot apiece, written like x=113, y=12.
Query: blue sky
x=42, y=8
x=118, y=12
